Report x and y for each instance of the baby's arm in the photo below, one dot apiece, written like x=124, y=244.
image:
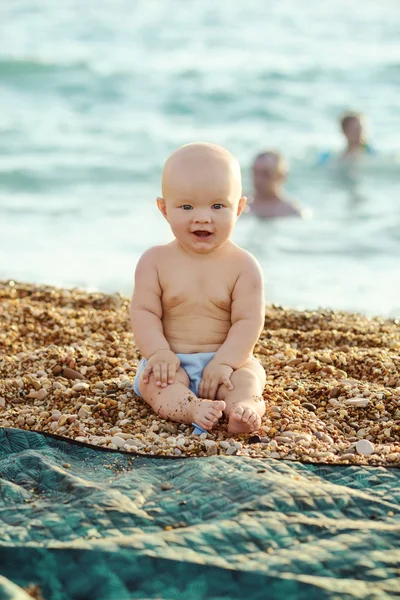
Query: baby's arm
x=146, y=313
x=247, y=316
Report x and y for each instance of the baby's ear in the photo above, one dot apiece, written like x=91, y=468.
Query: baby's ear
x=241, y=205
x=162, y=207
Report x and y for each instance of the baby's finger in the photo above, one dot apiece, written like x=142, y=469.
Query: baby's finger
x=212, y=390
x=157, y=373
x=227, y=382
x=146, y=373
x=164, y=374
x=171, y=373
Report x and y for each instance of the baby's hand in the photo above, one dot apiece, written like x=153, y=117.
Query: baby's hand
x=214, y=375
x=164, y=365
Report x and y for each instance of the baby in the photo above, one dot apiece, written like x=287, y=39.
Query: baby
x=197, y=308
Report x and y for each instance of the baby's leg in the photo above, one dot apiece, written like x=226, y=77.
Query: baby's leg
x=244, y=404
x=177, y=403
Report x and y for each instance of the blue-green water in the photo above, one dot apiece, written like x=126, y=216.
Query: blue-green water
x=93, y=96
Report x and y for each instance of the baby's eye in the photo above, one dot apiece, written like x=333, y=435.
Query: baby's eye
x=217, y=206
x=186, y=206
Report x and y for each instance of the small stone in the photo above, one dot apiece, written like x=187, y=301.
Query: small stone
x=117, y=441
x=69, y=373
x=303, y=437
x=334, y=402
x=62, y=420
x=177, y=452
x=365, y=447
x=283, y=440
x=358, y=402
x=83, y=412
x=124, y=422
x=231, y=450
x=80, y=387
x=224, y=444
x=167, y=486
x=309, y=406
x=254, y=439
x=2, y=402
x=334, y=393
x=66, y=466
x=347, y=456
x=238, y=445
x=324, y=437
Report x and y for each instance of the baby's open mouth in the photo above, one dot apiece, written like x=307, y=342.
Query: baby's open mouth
x=202, y=234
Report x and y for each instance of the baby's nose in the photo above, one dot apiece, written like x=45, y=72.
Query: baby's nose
x=202, y=217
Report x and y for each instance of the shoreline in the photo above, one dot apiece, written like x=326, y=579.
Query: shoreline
x=68, y=359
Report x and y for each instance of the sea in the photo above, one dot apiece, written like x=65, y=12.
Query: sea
x=95, y=95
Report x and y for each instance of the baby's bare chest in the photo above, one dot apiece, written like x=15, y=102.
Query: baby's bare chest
x=193, y=291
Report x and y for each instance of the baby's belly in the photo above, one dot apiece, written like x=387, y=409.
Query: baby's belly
x=187, y=335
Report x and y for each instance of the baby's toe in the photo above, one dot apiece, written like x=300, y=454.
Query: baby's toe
x=237, y=413
x=247, y=415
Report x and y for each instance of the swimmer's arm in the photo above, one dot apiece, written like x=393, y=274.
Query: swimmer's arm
x=145, y=309
x=247, y=317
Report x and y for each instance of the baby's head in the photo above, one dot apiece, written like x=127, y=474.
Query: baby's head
x=352, y=124
x=201, y=195
x=269, y=172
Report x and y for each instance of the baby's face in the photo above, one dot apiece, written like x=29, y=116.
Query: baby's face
x=201, y=203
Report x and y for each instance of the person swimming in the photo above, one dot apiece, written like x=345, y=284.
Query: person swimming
x=270, y=171
x=352, y=125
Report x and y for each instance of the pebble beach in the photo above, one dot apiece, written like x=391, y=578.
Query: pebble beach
x=68, y=360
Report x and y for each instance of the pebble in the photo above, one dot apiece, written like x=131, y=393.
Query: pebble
x=84, y=413
x=359, y=402
x=283, y=440
x=231, y=450
x=118, y=441
x=254, y=439
x=224, y=445
x=80, y=387
x=167, y=486
x=309, y=406
x=177, y=452
x=2, y=402
x=365, y=447
x=72, y=373
x=334, y=402
x=324, y=437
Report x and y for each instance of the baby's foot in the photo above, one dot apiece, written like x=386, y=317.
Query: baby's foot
x=243, y=418
x=208, y=413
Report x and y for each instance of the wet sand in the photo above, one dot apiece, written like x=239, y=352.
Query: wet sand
x=68, y=359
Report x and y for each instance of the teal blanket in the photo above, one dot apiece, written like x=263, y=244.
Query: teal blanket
x=89, y=524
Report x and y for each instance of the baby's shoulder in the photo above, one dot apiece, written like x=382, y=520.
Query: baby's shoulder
x=153, y=256
x=245, y=261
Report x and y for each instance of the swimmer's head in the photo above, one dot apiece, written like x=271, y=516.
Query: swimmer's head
x=353, y=127
x=269, y=172
x=201, y=195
